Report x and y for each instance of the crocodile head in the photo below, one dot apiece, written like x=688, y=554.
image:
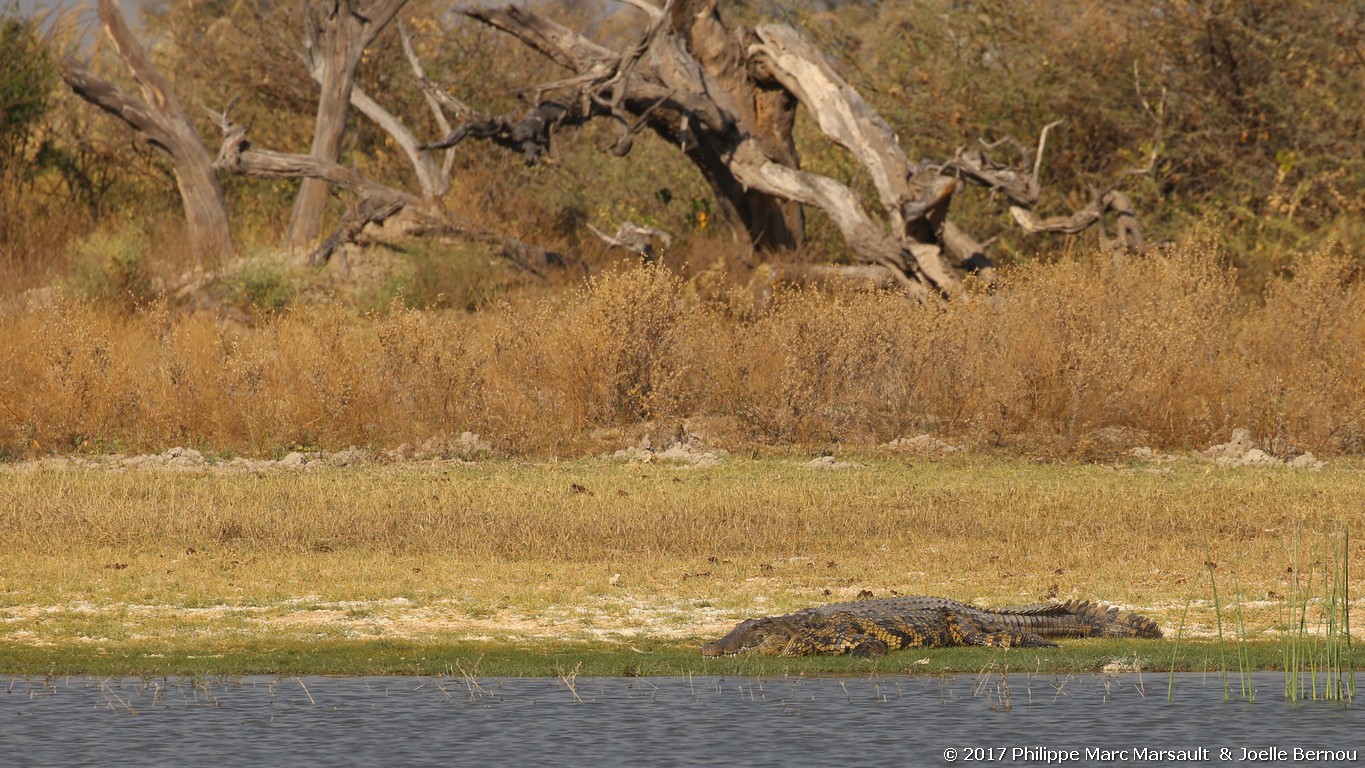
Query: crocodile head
x=766, y=637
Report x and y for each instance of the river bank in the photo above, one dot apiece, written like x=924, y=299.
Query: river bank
x=621, y=562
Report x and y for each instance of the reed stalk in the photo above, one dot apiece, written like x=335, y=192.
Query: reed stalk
x=1243, y=649
x=1346, y=610
x=1339, y=663
x=1175, y=651
x=1323, y=654
x=1218, y=620
x=1290, y=640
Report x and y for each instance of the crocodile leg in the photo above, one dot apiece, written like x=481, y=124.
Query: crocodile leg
x=864, y=646
x=845, y=635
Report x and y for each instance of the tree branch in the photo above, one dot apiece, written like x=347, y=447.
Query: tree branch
x=434, y=102
x=635, y=238
x=133, y=111
x=430, y=177
x=376, y=204
x=838, y=109
x=159, y=119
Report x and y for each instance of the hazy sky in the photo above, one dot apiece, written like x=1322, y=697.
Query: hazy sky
x=131, y=9
x=27, y=7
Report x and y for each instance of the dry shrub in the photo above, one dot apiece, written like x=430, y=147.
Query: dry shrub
x=63, y=358
x=1060, y=351
x=1138, y=343
x=821, y=367
x=1306, y=346
x=612, y=353
x=425, y=365
x=145, y=381
x=1080, y=357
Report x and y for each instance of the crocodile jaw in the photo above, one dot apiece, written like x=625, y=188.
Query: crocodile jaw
x=751, y=636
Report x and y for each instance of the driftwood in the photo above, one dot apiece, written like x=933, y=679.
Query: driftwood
x=160, y=120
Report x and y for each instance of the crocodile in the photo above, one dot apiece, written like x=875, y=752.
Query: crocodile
x=874, y=627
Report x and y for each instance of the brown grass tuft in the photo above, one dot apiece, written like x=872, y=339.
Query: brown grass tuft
x=1307, y=349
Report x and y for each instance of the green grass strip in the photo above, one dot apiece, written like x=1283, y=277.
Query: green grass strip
x=551, y=659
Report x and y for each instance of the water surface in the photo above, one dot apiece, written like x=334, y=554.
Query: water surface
x=871, y=721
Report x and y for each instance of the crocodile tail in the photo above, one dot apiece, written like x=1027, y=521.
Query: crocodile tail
x=1108, y=621
x=1034, y=609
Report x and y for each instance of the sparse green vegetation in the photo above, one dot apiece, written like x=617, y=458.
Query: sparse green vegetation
x=467, y=277
x=601, y=561
x=643, y=658
x=262, y=286
x=112, y=269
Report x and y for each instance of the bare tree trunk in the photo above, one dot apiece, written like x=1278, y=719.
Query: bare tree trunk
x=763, y=113
x=337, y=36
x=775, y=222
x=206, y=214
x=431, y=176
x=158, y=117
x=689, y=82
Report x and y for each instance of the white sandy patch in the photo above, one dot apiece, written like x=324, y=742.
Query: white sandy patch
x=615, y=618
x=602, y=618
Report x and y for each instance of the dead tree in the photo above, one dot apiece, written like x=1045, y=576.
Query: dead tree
x=163, y=123
x=159, y=119
x=727, y=98
x=337, y=34
x=705, y=104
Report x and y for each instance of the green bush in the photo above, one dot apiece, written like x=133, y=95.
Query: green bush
x=26, y=78
x=439, y=276
x=261, y=286
x=111, y=268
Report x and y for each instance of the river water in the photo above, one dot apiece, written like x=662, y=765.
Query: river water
x=866, y=721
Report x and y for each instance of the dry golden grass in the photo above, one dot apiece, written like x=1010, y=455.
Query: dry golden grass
x=1060, y=359
x=594, y=550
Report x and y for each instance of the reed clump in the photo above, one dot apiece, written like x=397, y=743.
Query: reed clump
x=1316, y=641
x=1074, y=358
